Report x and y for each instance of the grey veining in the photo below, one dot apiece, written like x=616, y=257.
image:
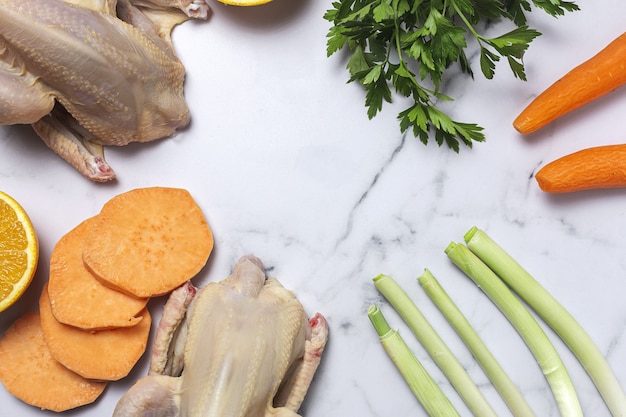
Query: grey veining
x=284, y=162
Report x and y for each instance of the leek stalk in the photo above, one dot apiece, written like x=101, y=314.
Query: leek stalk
x=554, y=314
x=425, y=389
x=492, y=368
x=434, y=345
x=533, y=335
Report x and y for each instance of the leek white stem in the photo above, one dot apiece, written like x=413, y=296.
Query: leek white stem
x=554, y=314
x=425, y=389
x=494, y=371
x=434, y=345
x=537, y=341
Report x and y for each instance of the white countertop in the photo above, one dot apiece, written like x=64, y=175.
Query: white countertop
x=285, y=164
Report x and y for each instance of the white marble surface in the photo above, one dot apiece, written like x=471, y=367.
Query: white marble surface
x=285, y=164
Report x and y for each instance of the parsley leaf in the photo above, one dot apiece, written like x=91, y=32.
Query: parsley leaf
x=407, y=47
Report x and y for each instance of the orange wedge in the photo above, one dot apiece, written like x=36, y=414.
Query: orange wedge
x=244, y=2
x=19, y=251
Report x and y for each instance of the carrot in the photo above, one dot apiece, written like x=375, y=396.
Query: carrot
x=148, y=241
x=77, y=298
x=591, y=168
x=30, y=373
x=594, y=78
x=106, y=355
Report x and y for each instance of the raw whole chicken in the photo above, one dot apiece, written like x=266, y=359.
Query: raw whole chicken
x=241, y=347
x=88, y=73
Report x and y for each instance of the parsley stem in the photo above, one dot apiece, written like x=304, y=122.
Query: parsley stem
x=469, y=26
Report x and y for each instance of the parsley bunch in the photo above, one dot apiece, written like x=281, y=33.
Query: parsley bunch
x=408, y=45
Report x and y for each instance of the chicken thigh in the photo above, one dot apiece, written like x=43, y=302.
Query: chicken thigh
x=88, y=73
x=241, y=347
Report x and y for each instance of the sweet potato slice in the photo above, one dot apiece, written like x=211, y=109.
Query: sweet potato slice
x=106, y=355
x=148, y=241
x=77, y=297
x=30, y=373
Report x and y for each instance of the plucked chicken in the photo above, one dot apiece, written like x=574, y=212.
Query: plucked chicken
x=88, y=73
x=241, y=347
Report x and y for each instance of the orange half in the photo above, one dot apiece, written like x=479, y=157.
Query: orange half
x=19, y=251
x=244, y=2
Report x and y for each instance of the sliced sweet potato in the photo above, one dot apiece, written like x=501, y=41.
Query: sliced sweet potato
x=106, y=355
x=77, y=297
x=148, y=241
x=30, y=373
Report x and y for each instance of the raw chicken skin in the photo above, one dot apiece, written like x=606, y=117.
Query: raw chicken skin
x=87, y=73
x=244, y=348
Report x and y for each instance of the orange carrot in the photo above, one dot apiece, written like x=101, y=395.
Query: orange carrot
x=591, y=168
x=592, y=79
